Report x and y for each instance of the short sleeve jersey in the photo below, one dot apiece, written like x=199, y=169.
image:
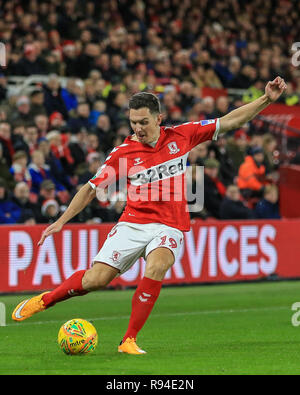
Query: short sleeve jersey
x=154, y=176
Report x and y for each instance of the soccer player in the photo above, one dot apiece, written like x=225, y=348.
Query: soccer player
x=153, y=161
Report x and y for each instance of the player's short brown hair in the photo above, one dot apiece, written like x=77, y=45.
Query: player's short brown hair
x=145, y=99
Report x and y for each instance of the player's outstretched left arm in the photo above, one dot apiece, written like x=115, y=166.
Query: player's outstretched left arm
x=237, y=118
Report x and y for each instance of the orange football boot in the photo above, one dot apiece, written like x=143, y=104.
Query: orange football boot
x=129, y=346
x=28, y=307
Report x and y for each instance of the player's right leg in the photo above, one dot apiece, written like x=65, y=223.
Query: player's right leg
x=80, y=283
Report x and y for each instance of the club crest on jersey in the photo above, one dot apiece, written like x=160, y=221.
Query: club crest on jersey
x=173, y=148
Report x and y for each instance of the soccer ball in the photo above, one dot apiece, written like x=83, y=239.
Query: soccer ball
x=77, y=336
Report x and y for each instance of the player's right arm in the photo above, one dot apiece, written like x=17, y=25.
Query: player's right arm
x=106, y=175
x=82, y=198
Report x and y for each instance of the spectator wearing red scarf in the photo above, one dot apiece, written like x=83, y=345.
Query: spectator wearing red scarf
x=40, y=172
x=59, y=147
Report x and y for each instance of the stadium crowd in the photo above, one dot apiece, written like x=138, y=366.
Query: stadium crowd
x=55, y=137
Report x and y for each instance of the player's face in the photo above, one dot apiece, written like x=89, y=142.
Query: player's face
x=145, y=125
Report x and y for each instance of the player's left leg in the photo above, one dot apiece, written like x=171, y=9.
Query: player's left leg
x=158, y=263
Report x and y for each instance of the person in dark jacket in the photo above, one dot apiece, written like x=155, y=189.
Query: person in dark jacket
x=232, y=207
x=10, y=212
x=5, y=172
x=214, y=189
x=53, y=99
x=30, y=63
x=268, y=207
x=81, y=119
x=21, y=199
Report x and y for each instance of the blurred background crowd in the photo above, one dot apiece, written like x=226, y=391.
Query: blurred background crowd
x=95, y=54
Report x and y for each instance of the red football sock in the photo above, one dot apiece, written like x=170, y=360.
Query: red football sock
x=143, y=301
x=69, y=288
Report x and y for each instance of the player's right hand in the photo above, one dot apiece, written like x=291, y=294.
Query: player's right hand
x=53, y=228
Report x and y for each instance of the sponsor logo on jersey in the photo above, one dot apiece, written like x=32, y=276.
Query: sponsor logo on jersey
x=171, y=168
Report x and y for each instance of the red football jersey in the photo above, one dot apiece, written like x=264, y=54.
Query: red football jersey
x=154, y=176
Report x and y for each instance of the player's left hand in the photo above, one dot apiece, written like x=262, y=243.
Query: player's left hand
x=275, y=88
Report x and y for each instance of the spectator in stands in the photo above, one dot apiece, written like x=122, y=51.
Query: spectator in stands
x=94, y=163
x=269, y=146
x=50, y=211
x=70, y=58
x=268, y=208
x=99, y=108
x=6, y=142
x=104, y=131
x=198, y=154
x=232, y=207
x=39, y=172
x=53, y=98
x=19, y=169
x=93, y=144
x=245, y=78
x=37, y=102
x=174, y=116
x=41, y=122
x=77, y=145
x=10, y=212
x=214, y=189
x=30, y=63
x=31, y=138
x=55, y=165
x=237, y=147
x=256, y=140
x=6, y=175
x=57, y=122
x=116, y=110
x=21, y=198
x=69, y=94
x=3, y=87
x=209, y=107
x=218, y=150
x=60, y=150
x=80, y=119
x=186, y=96
x=90, y=92
x=17, y=139
x=48, y=192
x=222, y=106
x=22, y=112
x=252, y=174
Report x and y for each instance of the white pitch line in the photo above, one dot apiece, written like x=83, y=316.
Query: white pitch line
x=188, y=313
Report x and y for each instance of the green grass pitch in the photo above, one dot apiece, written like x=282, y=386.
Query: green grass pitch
x=219, y=329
